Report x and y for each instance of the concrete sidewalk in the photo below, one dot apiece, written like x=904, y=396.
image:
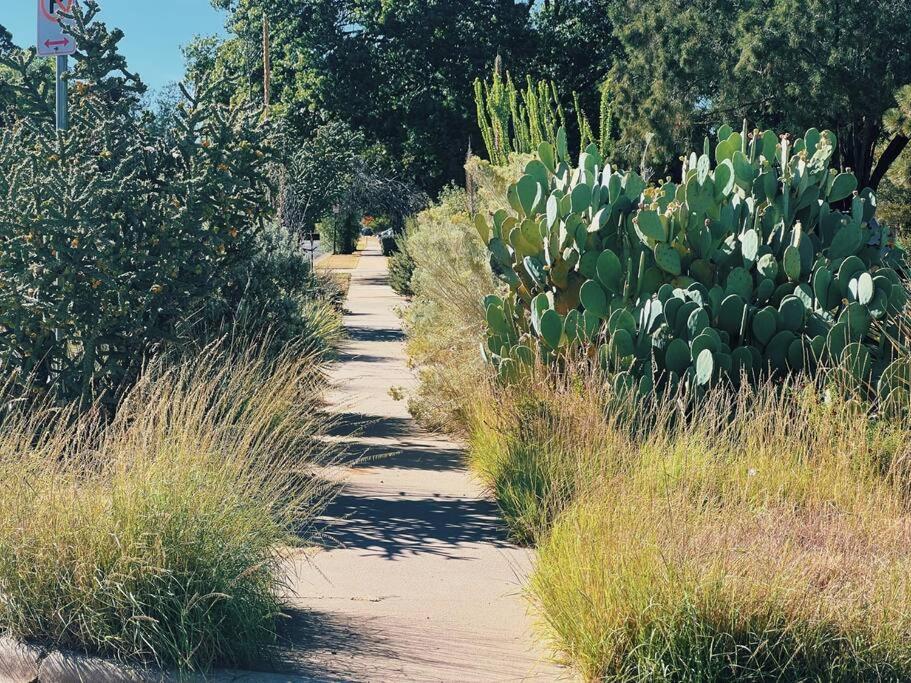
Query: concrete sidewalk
x=419, y=582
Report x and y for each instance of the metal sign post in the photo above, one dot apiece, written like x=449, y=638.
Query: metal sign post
x=54, y=42
x=62, y=66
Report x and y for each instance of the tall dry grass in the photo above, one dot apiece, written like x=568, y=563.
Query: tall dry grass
x=446, y=316
x=157, y=538
x=757, y=535
x=638, y=588
x=535, y=445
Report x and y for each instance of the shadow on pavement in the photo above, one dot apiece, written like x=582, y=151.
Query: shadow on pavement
x=358, y=425
x=405, y=455
x=375, y=334
x=397, y=528
x=345, y=356
x=306, y=636
x=373, y=280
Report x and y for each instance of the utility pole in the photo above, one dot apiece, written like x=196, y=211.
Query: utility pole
x=267, y=62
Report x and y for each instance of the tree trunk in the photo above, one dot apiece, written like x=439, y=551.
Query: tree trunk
x=867, y=145
x=859, y=146
x=895, y=147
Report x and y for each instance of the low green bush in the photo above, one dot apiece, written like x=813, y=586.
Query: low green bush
x=280, y=298
x=527, y=478
x=401, y=267
x=443, y=322
x=157, y=538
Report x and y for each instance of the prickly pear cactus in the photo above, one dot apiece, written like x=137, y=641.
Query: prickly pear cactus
x=763, y=260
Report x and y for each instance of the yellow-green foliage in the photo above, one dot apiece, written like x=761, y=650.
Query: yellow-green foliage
x=534, y=445
x=446, y=318
x=516, y=121
x=156, y=538
x=635, y=588
x=760, y=536
x=451, y=277
x=513, y=120
x=488, y=183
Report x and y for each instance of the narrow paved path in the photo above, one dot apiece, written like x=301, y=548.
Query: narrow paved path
x=419, y=582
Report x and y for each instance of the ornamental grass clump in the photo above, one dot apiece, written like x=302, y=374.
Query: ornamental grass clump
x=158, y=538
x=757, y=534
x=633, y=588
x=537, y=444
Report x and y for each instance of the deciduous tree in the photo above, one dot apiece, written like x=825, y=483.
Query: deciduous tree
x=401, y=71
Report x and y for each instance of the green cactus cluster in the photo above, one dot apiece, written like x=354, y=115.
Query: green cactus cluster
x=763, y=260
x=513, y=120
x=117, y=236
x=517, y=121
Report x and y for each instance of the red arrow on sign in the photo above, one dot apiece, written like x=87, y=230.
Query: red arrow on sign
x=52, y=43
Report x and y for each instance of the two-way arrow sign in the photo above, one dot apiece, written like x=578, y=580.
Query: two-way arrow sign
x=52, y=41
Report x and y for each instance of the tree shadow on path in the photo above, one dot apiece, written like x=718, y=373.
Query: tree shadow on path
x=406, y=526
x=375, y=334
x=314, y=645
x=358, y=425
x=407, y=455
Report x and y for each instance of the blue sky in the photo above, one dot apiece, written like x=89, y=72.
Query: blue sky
x=155, y=30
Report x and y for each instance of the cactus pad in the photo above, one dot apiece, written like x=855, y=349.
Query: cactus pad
x=740, y=282
x=649, y=223
x=765, y=325
x=842, y=187
x=792, y=263
x=677, y=356
x=551, y=328
x=610, y=271
x=743, y=269
x=667, y=258
x=730, y=314
x=594, y=299
x=705, y=366
x=791, y=314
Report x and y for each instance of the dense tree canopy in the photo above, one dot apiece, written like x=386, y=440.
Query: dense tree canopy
x=783, y=64
x=399, y=69
x=832, y=64
x=576, y=45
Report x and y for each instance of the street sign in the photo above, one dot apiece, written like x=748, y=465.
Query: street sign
x=52, y=41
